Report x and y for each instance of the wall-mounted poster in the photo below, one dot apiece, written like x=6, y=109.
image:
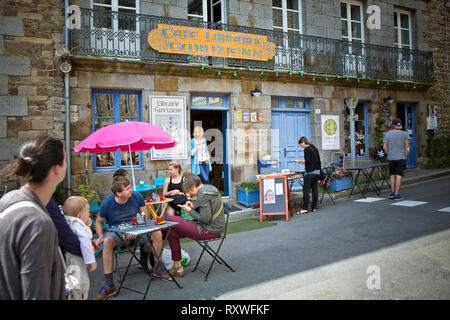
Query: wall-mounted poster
x=238, y=116
x=261, y=116
x=245, y=117
x=253, y=117
x=169, y=114
x=330, y=132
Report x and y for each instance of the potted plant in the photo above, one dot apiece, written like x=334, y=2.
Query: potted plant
x=248, y=193
x=340, y=179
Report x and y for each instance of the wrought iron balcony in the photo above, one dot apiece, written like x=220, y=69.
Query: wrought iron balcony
x=108, y=34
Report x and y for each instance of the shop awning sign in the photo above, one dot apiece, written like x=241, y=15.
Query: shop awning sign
x=210, y=42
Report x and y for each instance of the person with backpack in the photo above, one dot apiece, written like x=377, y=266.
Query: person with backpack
x=31, y=263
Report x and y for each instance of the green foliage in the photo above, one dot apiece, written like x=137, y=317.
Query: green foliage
x=86, y=192
x=251, y=185
x=379, y=133
x=438, y=150
x=60, y=194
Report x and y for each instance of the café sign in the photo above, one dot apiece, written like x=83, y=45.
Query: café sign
x=210, y=42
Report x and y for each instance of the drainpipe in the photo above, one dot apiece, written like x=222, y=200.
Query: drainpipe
x=66, y=103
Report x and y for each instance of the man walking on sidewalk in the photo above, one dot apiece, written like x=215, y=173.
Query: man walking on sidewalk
x=396, y=146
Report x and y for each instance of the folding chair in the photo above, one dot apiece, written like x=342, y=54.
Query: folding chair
x=160, y=182
x=214, y=253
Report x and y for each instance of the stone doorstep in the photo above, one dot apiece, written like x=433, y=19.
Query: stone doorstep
x=341, y=195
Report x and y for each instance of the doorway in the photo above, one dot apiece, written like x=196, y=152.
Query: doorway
x=214, y=123
x=405, y=112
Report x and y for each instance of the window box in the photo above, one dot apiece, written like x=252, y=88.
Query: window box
x=341, y=184
x=248, y=193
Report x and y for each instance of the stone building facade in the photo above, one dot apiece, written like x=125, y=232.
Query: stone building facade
x=32, y=87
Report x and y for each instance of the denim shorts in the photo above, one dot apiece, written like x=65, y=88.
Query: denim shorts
x=122, y=241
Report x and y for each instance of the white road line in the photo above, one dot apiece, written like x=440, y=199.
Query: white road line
x=369, y=199
x=445, y=209
x=409, y=203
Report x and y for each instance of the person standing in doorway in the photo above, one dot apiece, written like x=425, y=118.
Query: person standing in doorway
x=312, y=173
x=200, y=159
x=396, y=146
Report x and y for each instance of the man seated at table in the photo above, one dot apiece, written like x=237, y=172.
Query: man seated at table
x=120, y=207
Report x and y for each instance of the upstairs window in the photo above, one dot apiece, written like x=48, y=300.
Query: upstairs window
x=287, y=15
x=402, y=29
x=352, y=21
x=207, y=10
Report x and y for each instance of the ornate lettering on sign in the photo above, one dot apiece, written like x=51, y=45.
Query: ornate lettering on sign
x=206, y=42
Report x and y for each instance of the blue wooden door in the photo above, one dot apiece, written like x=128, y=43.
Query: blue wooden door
x=410, y=129
x=288, y=127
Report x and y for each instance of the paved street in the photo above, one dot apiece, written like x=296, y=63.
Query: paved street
x=354, y=250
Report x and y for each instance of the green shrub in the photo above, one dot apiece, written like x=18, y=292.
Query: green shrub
x=251, y=186
x=60, y=194
x=86, y=192
x=438, y=151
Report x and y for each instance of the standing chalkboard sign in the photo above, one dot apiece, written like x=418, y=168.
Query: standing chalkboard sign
x=273, y=199
x=337, y=160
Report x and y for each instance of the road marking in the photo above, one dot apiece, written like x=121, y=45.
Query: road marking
x=409, y=203
x=369, y=199
x=445, y=209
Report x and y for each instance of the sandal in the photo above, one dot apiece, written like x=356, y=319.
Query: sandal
x=302, y=212
x=179, y=272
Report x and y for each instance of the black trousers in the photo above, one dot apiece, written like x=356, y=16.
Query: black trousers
x=310, y=181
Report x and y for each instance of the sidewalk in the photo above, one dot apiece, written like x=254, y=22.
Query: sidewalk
x=411, y=176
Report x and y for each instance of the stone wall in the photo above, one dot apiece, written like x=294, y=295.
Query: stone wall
x=31, y=85
x=437, y=36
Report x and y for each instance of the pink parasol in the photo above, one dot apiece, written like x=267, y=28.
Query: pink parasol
x=127, y=136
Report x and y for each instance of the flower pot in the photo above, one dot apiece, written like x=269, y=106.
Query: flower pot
x=341, y=184
x=247, y=198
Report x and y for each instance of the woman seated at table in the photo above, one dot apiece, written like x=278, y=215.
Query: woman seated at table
x=173, y=188
x=208, y=218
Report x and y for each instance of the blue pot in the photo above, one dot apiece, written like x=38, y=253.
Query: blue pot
x=247, y=198
x=341, y=184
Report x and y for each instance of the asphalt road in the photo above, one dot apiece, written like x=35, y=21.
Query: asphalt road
x=351, y=250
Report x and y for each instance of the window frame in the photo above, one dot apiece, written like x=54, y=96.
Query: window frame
x=116, y=118
x=398, y=29
x=223, y=107
x=208, y=15
x=284, y=17
x=282, y=104
x=366, y=141
x=349, y=21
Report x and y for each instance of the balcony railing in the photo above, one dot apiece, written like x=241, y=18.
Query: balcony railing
x=121, y=35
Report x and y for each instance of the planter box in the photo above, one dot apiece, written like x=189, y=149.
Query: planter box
x=341, y=184
x=247, y=198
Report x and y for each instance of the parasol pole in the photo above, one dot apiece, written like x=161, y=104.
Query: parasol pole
x=132, y=170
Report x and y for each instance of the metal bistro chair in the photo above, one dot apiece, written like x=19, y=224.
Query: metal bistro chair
x=327, y=171
x=160, y=181
x=214, y=253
